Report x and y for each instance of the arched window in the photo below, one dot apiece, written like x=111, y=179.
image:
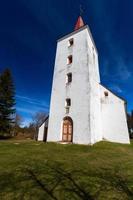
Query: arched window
x=69, y=60
x=70, y=42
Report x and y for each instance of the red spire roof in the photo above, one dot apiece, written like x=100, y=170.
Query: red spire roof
x=79, y=23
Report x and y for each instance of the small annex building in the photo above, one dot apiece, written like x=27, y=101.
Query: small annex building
x=43, y=130
x=82, y=110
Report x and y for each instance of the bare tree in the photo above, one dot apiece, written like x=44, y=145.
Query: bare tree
x=18, y=120
x=18, y=123
x=38, y=119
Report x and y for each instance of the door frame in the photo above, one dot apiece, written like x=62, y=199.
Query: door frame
x=71, y=121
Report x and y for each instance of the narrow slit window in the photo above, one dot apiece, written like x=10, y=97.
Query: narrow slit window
x=69, y=78
x=68, y=102
x=69, y=60
x=94, y=58
x=70, y=42
x=106, y=94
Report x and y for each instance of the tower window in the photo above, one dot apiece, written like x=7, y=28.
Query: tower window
x=69, y=60
x=69, y=78
x=94, y=58
x=68, y=102
x=106, y=94
x=70, y=42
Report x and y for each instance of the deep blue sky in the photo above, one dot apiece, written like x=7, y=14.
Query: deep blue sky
x=28, y=33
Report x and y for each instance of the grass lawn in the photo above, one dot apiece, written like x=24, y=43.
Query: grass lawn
x=34, y=170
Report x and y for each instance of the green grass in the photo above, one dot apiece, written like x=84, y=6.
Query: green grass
x=32, y=170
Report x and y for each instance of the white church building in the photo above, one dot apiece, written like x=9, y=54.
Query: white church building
x=82, y=111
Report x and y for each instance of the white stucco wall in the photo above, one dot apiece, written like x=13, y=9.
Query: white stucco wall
x=41, y=132
x=82, y=69
x=95, y=113
x=114, y=124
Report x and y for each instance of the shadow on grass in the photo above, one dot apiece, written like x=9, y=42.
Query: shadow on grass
x=6, y=137
x=62, y=181
x=68, y=184
x=56, y=183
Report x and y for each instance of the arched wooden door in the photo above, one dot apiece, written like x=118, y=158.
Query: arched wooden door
x=67, y=130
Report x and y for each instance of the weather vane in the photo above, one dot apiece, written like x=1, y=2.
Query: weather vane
x=81, y=10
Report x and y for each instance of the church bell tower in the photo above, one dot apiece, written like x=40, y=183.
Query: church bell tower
x=75, y=98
